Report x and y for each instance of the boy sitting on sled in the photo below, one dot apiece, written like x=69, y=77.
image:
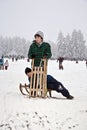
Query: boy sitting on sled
x=52, y=84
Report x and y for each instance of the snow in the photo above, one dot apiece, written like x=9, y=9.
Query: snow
x=18, y=112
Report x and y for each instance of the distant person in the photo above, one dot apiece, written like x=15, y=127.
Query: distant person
x=39, y=49
x=12, y=59
x=28, y=60
x=2, y=63
x=6, y=64
x=77, y=61
x=86, y=64
x=52, y=84
x=16, y=58
x=60, y=59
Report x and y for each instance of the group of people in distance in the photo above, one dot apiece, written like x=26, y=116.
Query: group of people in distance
x=38, y=50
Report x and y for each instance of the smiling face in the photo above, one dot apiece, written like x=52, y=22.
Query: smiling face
x=38, y=39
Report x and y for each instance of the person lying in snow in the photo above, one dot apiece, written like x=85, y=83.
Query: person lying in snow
x=52, y=84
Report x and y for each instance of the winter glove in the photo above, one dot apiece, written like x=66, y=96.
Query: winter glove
x=45, y=56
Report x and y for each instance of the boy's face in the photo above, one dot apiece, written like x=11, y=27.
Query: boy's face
x=38, y=39
x=29, y=74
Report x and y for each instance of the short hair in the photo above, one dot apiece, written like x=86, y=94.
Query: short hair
x=27, y=70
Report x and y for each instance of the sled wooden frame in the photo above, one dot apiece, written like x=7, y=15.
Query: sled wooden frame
x=25, y=90
x=38, y=81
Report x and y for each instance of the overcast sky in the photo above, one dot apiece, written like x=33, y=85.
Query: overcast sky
x=25, y=17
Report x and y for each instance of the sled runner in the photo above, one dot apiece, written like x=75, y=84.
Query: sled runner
x=25, y=90
x=38, y=81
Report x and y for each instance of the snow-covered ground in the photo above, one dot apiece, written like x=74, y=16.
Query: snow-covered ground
x=18, y=112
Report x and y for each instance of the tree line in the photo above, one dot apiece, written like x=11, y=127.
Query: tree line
x=70, y=46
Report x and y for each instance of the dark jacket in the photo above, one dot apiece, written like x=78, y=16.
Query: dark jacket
x=1, y=61
x=37, y=52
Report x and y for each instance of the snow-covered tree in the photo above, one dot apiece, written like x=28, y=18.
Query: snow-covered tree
x=16, y=46
x=1, y=47
x=77, y=45
x=71, y=47
x=53, y=49
x=67, y=42
x=60, y=45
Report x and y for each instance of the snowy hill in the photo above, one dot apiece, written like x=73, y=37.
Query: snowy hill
x=18, y=112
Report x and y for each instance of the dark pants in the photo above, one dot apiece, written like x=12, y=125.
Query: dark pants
x=6, y=67
x=57, y=86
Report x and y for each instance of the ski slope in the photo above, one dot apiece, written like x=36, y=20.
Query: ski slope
x=18, y=112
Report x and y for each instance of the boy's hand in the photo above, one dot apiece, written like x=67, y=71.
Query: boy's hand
x=45, y=56
x=33, y=56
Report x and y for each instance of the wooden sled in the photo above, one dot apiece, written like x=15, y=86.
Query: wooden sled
x=38, y=81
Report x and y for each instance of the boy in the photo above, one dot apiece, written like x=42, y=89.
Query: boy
x=39, y=49
x=52, y=84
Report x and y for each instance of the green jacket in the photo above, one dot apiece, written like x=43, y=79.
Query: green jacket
x=39, y=52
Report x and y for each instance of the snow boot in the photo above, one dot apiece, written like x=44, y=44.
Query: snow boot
x=70, y=97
